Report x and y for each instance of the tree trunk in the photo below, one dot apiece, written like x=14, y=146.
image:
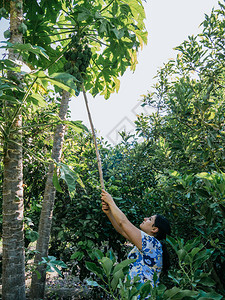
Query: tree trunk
x=13, y=265
x=44, y=230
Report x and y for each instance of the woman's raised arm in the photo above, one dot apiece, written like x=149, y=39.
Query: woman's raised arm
x=132, y=233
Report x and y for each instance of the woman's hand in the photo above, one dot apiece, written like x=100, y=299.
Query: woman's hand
x=105, y=208
x=107, y=198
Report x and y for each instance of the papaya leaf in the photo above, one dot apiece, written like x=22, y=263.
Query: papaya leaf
x=69, y=176
x=56, y=182
x=26, y=48
x=37, y=100
x=9, y=98
x=64, y=81
x=76, y=125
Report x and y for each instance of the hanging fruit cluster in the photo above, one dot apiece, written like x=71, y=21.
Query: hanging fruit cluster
x=78, y=58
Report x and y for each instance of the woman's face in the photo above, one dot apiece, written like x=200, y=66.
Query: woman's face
x=148, y=225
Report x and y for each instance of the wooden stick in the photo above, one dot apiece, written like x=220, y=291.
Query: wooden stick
x=95, y=140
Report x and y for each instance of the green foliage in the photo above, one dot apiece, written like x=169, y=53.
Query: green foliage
x=176, y=170
x=52, y=264
x=193, y=278
x=26, y=48
x=114, y=279
x=113, y=32
x=3, y=13
x=78, y=59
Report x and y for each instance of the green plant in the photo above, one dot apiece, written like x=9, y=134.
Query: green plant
x=193, y=277
x=52, y=264
x=115, y=281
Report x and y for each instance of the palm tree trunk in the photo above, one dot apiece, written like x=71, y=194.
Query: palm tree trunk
x=44, y=230
x=13, y=266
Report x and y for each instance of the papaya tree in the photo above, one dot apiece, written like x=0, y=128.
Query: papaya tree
x=13, y=270
x=82, y=29
x=48, y=201
x=18, y=91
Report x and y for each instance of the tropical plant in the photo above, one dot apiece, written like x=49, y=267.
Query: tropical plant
x=13, y=267
x=114, y=279
x=192, y=279
x=19, y=91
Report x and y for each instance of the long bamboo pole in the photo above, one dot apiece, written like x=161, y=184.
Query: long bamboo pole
x=95, y=140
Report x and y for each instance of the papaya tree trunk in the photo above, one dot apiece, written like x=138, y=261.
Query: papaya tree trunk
x=45, y=222
x=13, y=265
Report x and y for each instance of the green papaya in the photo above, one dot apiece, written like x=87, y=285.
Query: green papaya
x=7, y=34
x=22, y=28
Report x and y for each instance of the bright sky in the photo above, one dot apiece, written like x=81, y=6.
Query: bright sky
x=168, y=23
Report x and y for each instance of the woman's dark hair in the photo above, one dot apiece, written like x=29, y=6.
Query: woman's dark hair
x=164, y=228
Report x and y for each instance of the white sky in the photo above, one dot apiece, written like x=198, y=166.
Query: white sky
x=168, y=22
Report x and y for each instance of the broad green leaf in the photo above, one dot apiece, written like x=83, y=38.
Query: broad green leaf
x=117, y=84
x=125, y=9
x=201, y=257
x=123, y=264
x=204, y=175
x=8, y=64
x=26, y=47
x=172, y=242
x=118, y=33
x=176, y=293
x=209, y=295
x=195, y=251
x=64, y=81
x=51, y=264
x=207, y=281
x=94, y=268
x=76, y=125
x=106, y=264
x=181, y=254
x=69, y=176
x=37, y=100
x=98, y=254
x=116, y=276
x=60, y=263
x=56, y=182
x=31, y=235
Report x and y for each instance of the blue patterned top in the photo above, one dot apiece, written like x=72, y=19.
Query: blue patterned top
x=148, y=260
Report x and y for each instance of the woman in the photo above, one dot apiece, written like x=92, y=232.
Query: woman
x=150, y=254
